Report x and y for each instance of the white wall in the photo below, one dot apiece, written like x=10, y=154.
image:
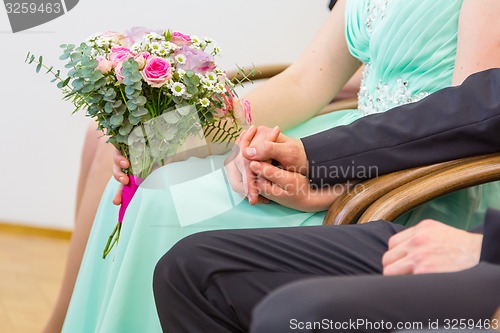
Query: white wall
x=40, y=141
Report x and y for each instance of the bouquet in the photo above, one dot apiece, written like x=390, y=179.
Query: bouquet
x=149, y=91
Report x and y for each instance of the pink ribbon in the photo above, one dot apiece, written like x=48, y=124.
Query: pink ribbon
x=127, y=195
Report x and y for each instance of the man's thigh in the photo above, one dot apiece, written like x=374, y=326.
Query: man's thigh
x=382, y=303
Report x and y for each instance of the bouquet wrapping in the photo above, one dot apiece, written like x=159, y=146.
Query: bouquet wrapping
x=149, y=91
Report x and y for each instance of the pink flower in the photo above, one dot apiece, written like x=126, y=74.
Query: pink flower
x=157, y=71
x=136, y=33
x=196, y=60
x=119, y=55
x=104, y=65
x=118, y=72
x=118, y=38
x=243, y=113
x=141, y=59
x=181, y=39
x=228, y=103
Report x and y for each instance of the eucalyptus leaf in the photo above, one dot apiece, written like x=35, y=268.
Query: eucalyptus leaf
x=116, y=120
x=140, y=100
x=140, y=111
x=108, y=107
x=126, y=129
x=171, y=117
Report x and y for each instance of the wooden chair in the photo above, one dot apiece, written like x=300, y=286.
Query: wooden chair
x=389, y=196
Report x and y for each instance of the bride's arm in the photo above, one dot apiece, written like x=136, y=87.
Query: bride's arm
x=478, y=38
x=311, y=82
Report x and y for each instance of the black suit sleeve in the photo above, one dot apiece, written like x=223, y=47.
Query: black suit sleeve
x=490, y=251
x=452, y=123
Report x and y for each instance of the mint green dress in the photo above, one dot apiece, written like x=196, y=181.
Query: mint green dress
x=409, y=49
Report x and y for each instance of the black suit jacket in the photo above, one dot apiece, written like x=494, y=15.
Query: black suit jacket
x=452, y=123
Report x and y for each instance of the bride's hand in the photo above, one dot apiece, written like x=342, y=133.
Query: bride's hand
x=292, y=189
x=120, y=162
x=240, y=176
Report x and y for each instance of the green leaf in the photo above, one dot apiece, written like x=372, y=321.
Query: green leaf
x=87, y=88
x=64, y=56
x=133, y=120
x=92, y=110
x=131, y=105
x=116, y=120
x=140, y=111
x=117, y=103
x=140, y=100
x=65, y=82
x=126, y=129
x=95, y=76
x=129, y=90
x=38, y=67
x=108, y=107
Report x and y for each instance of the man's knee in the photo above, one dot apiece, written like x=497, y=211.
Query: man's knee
x=183, y=260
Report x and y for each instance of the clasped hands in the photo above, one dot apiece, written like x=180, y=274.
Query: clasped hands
x=266, y=165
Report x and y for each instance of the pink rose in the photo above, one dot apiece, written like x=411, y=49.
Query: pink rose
x=196, y=60
x=119, y=55
x=244, y=113
x=181, y=39
x=104, y=65
x=141, y=59
x=118, y=72
x=157, y=71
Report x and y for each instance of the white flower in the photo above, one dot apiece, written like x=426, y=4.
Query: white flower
x=155, y=46
x=180, y=58
x=205, y=102
x=170, y=46
x=178, y=89
x=162, y=52
x=198, y=41
x=220, y=88
x=211, y=77
x=152, y=36
x=181, y=72
x=207, y=84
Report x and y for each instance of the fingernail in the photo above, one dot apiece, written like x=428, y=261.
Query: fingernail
x=120, y=179
x=276, y=128
x=251, y=151
x=123, y=164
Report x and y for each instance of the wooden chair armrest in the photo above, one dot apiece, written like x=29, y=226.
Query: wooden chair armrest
x=353, y=203
x=263, y=72
x=255, y=73
x=467, y=172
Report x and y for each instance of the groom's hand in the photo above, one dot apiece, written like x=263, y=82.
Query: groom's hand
x=431, y=247
x=288, y=152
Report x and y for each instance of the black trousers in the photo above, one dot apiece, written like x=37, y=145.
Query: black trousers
x=212, y=281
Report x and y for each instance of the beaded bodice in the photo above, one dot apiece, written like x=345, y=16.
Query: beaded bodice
x=408, y=48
